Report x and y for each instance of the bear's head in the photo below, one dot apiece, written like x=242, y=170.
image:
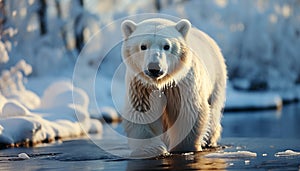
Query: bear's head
x=156, y=50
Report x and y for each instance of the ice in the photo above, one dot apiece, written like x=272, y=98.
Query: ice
x=287, y=153
x=237, y=154
x=23, y=156
x=247, y=162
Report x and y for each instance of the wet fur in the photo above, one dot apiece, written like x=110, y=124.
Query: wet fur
x=188, y=115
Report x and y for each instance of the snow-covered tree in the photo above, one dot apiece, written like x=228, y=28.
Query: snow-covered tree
x=259, y=38
x=50, y=33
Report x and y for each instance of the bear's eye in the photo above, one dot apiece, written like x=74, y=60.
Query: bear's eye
x=166, y=47
x=143, y=47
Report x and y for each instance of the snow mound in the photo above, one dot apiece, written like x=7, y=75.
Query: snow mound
x=62, y=93
x=287, y=153
x=56, y=117
x=238, y=154
x=27, y=98
x=13, y=108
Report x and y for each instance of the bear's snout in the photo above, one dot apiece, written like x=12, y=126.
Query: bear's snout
x=154, y=70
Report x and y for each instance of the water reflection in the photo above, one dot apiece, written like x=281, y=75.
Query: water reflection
x=178, y=162
x=267, y=124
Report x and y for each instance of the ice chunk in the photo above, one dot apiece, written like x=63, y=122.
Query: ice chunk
x=247, y=162
x=238, y=154
x=287, y=153
x=23, y=156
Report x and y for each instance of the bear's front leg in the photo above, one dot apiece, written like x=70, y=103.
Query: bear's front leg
x=145, y=139
x=142, y=114
x=190, y=129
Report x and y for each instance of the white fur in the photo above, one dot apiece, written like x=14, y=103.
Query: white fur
x=172, y=112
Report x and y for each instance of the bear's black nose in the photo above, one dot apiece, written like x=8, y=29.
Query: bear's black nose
x=154, y=70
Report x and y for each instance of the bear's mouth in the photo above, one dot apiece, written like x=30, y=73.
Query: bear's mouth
x=154, y=74
x=158, y=82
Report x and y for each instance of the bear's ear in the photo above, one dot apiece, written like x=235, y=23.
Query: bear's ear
x=128, y=28
x=183, y=26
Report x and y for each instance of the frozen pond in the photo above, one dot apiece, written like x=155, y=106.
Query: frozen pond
x=263, y=133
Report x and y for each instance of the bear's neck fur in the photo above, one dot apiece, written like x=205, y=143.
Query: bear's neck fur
x=140, y=94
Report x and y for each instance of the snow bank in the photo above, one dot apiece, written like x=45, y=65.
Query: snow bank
x=56, y=117
x=287, y=153
x=242, y=100
x=238, y=154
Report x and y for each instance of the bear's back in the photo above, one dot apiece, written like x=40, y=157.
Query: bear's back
x=206, y=50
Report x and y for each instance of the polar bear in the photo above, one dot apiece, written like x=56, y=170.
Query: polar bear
x=175, y=87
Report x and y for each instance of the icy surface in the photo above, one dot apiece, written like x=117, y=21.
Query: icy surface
x=237, y=154
x=287, y=153
x=83, y=154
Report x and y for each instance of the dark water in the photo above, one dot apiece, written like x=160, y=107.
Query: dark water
x=262, y=132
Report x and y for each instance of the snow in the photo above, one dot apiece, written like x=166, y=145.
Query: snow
x=56, y=116
x=237, y=154
x=13, y=108
x=3, y=53
x=241, y=100
x=287, y=153
x=259, y=40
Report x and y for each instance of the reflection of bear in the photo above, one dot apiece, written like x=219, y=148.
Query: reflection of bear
x=176, y=79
